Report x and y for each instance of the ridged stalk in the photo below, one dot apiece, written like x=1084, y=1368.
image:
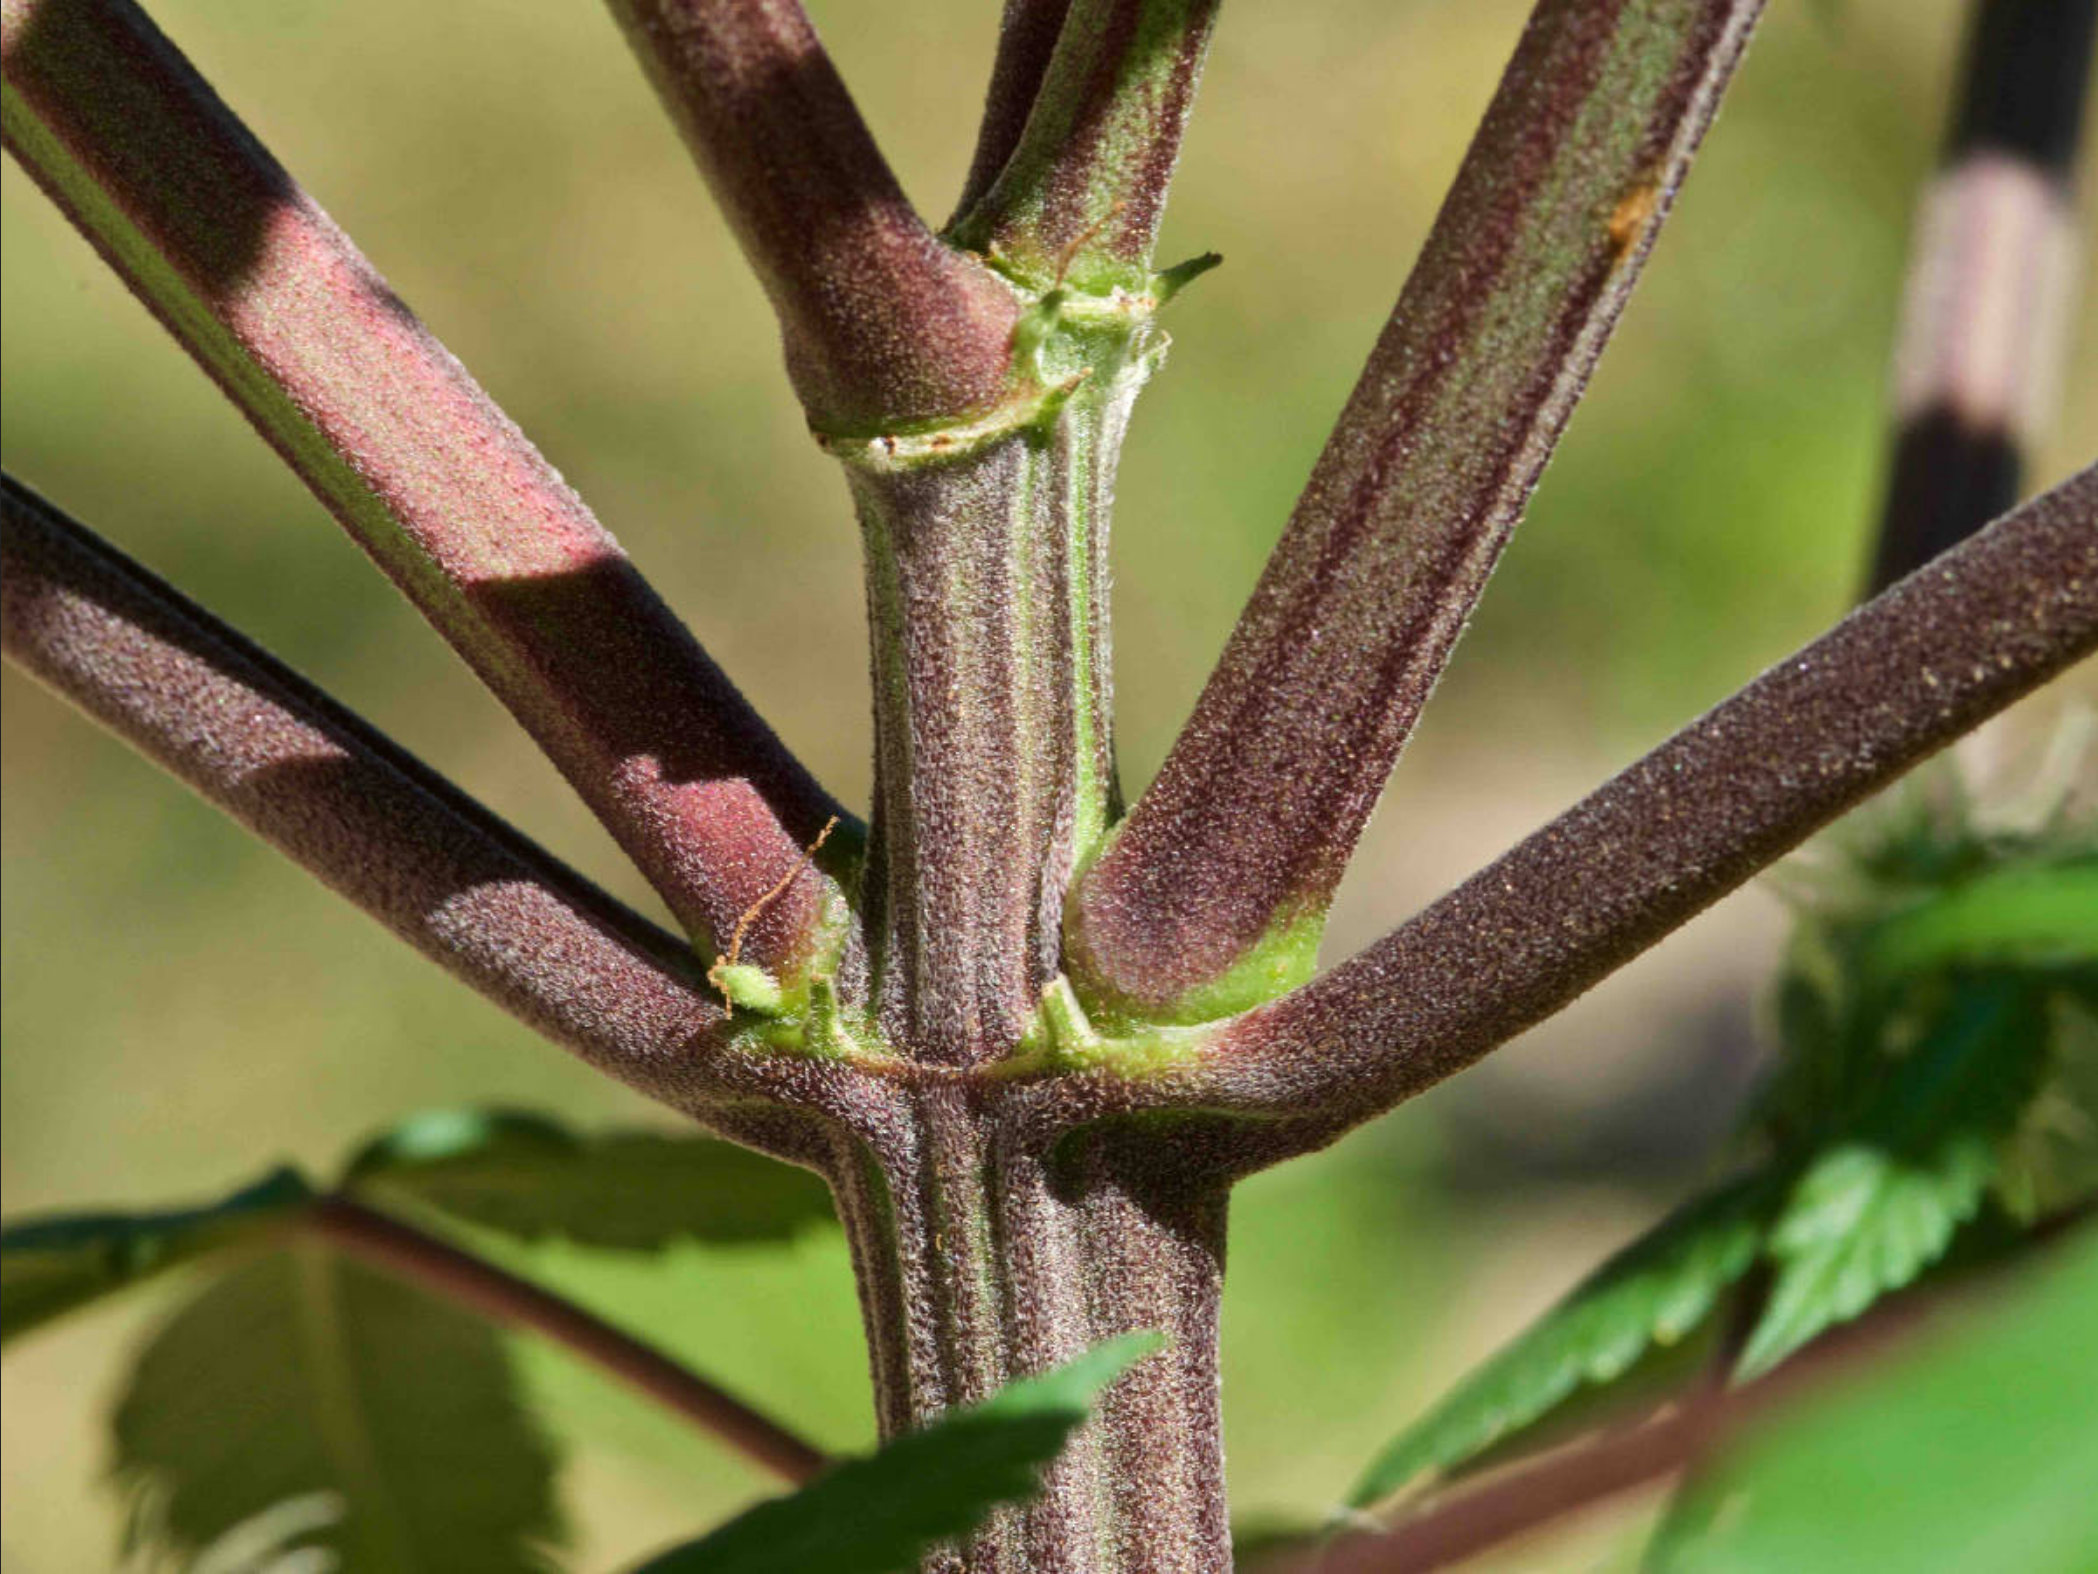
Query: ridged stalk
x=986, y=570
x=985, y=1251
x=990, y=1242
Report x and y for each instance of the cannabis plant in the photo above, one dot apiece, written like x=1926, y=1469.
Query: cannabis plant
x=1028, y=1034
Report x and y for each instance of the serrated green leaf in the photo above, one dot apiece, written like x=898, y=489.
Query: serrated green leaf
x=301, y=1372
x=1861, y=1223
x=878, y=1514
x=1974, y=1451
x=51, y=1266
x=1921, y=906
x=1873, y=1210
x=1929, y=996
x=530, y=1177
x=1657, y=1291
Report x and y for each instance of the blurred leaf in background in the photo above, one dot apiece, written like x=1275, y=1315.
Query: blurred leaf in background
x=531, y=1177
x=301, y=1372
x=518, y=1175
x=49, y=1267
x=301, y=1396
x=1655, y=1294
x=1974, y=1450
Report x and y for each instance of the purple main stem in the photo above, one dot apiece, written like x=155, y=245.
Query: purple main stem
x=999, y=1223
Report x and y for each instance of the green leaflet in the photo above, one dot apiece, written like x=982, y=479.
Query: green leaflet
x=52, y=1266
x=1655, y=1292
x=1861, y=1223
x=876, y=1515
x=1875, y=1208
x=1977, y=1450
x=300, y=1373
x=302, y=1396
x=1936, y=1029
x=527, y=1176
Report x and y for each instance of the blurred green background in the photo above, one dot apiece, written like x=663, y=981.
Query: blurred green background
x=182, y=1006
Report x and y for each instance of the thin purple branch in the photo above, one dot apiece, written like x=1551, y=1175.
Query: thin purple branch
x=1815, y=735
x=1457, y=1525
x=386, y=1243
x=411, y=456
x=363, y=816
x=885, y=326
x=1246, y=830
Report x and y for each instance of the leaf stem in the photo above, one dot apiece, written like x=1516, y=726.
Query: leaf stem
x=386, y=1242
x=415, y=462
x=1082, y=188
x=885, y=325
x=1027, y=34
x=1471, y=1519
x=1898, y=679
x=1232, y=854
x=368, y=819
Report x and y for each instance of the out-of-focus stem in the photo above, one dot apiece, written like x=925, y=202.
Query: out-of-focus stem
x=416, y=463
x=1992, y=279
x=885, y=326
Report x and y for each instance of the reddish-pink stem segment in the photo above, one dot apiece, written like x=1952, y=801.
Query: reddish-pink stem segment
x=415, y=461
x=885, y=326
